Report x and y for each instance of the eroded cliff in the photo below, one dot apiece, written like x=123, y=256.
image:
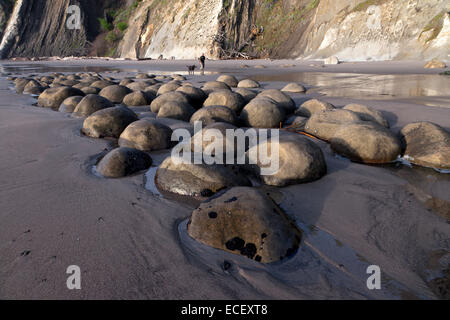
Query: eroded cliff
x=349, y=29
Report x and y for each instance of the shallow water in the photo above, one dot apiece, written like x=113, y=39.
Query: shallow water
x=367, y=86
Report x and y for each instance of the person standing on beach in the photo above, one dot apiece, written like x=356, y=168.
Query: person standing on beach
x=202, y=60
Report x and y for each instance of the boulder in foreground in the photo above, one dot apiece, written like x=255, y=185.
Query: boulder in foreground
x=122, y=162
x=246, y=222
x=146, y=135
x=53, y=97
x=324, y=124
x=426, y=144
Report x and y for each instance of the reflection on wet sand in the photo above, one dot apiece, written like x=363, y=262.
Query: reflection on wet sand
x=363, y=86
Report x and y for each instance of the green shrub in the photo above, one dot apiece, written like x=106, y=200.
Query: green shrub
x=106, y=26
x=122, y=26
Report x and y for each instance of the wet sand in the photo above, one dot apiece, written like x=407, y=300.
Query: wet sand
x=131, y=243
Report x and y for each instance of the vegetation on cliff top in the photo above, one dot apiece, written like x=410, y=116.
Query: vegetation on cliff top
x=436, y=24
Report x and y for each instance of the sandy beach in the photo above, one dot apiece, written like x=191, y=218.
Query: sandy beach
x=131, y=243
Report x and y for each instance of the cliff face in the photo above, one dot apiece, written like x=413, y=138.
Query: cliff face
x=349, y=29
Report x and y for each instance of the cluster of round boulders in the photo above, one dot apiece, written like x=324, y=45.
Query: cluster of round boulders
x=294, y=88
x=230, y=80
x=296, y=160
x=324, y=124
x=246, y=222
x=115, y=93
x=196, y=180
x=313, y=106
x=176, y=110
x=262, y=112
x=248, y=83
x=146, y=135
x=368, y=114
x=426, y=144
x=122, y=162
x=109, y=122
x=281, y=99
x=90, y=104
x=211, y=114
x=226, y=98
x=53, y=97
x=168, y=87
x=366, y=143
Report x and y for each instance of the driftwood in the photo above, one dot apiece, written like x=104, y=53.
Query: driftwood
x=236, y=53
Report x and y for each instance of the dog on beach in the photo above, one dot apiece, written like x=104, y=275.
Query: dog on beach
x=191, y=69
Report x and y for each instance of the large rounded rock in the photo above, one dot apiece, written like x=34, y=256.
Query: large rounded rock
x=168, y=87
x=299, y=160
x=20, y=84
x=230, y=80
x=426, y=144
x=146, y=135
x=294, y=88
x=136, y=99
x=246, y=222
x=313, y=106
x=176, y=110
x=324, y=124
x=90, y=90
x=283, y=100
x=110, y=122
x=137, y=86
x=211, y=114
x=248, y=83
x=332, y=60
x=34, y=87
x=368, y=114
x=122, y=162
x=262, y=113
x=366, y=143
x=101, y=84
x=170, y=96
x=90, y=104
x=196, y=96
x=226, y=98
x=70, y=104
x=247, y=94
x=53, y=97
x=115, y=93
x=196, y=180
x=211, y=86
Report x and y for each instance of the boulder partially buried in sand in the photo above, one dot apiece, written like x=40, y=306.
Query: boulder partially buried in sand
x=368, y=114
x=308, y=108
x=294, y=88
x=426, y=144
x=247, y=94
x=122, y=162
x=211, y=114
x=70, y=104
x=331, y=60
x=196, y=180
x=90, y=104
x=108, y=122
x=211, y=86
x=115, y=93
x=196, y=96
x=248, y=83
x=53, y=97
x=226, y=98
x=136, y=98
x=324, y=124
x=246, y=222
x=229, y=80
x=168, y=87
x=366, y=143
x=262, y=113
x=283, y=100
x=146, y=135
x=299, y=160
x=176, y=110
x=170, y=96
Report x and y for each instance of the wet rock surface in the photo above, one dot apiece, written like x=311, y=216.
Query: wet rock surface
x=324, y=124
x=246, y=222
x=122, y=162
x=146, y=135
